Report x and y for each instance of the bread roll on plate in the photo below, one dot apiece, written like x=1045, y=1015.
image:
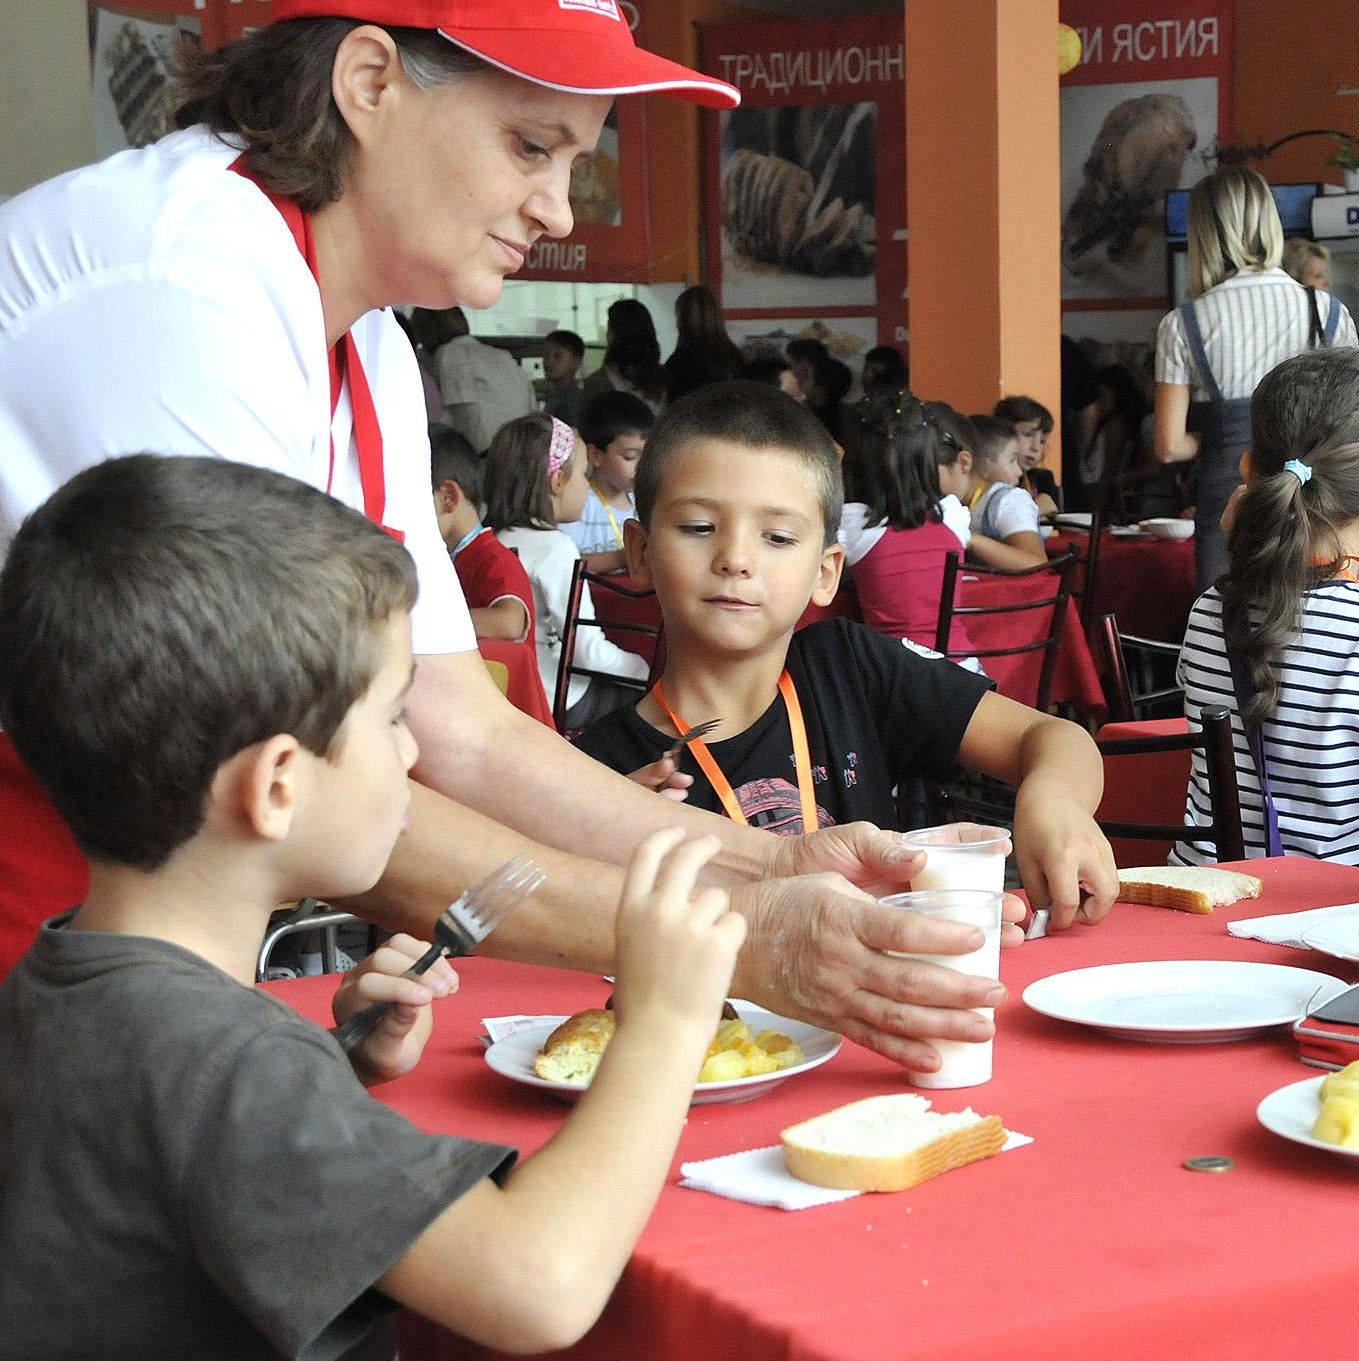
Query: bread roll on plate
x=1186, y=888
x=887, y=1143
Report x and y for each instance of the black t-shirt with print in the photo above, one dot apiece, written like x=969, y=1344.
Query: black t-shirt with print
x=877, y=711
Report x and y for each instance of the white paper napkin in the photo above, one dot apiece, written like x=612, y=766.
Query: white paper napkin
x=502, y=1027
x=759, y=1177
x=1288, y=927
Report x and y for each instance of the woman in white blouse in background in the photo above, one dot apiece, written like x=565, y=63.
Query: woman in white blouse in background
x=1246, y=316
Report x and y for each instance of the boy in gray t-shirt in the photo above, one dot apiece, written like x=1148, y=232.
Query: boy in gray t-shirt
x=204, y=664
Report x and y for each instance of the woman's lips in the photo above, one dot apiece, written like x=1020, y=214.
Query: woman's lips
x=514, y=252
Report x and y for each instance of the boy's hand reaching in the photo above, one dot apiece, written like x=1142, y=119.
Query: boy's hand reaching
x=398, y=1040
x=665, y=777
x=675, y=948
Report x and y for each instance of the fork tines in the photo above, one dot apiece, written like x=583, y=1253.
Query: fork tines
x=477, y=912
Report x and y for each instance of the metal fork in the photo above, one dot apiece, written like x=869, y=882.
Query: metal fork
x=698, y=730
x=461, y=927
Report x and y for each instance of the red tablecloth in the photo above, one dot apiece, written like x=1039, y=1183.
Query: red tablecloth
x=525, y=689
x=1149, y=788
x=1092, y=1242
x=1150, y=584
x=1076, y=678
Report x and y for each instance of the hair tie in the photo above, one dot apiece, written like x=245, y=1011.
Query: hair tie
x=1299, y=469
x=561, y=446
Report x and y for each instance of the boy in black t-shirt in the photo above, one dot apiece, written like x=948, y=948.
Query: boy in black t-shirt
x=738, y=504
x=205, y=666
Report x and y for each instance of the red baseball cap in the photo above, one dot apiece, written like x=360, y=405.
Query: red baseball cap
x=581, y=46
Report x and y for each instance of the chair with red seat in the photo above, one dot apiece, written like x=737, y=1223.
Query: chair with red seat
x=601, y=588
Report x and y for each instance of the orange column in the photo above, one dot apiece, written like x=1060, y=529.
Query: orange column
x=984, y=213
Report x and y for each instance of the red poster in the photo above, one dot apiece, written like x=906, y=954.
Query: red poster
x=799, y=239
x=1142, y=114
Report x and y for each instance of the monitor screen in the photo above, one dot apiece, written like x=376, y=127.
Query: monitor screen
x=1294, y=202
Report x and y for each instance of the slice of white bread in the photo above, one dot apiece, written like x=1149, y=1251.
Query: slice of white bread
x=1186, y=888
x=887, y=1143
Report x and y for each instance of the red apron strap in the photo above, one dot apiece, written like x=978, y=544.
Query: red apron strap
x=346, y=367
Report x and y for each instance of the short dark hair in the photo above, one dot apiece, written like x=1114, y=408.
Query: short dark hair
x=766, y=367
x=159, y=615
x=806, y=347
x=568, y=340
x=1016, y=409
x=272, y=89
x=611, y=414
x=757, y=416
x=993, y=434
x=452, y=459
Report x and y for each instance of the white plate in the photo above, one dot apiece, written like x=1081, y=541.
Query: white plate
x=513, y=1058
x=1074, y=519
x=1182, y=1001
x=1168, y=528
x=1128, y=532
x=1338, y=938
x=1292, y=1111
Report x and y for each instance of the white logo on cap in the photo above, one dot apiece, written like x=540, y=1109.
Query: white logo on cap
x=605, y=7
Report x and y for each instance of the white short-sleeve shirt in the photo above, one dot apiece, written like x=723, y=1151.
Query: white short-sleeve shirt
x=157, y=302
x=1249, y=323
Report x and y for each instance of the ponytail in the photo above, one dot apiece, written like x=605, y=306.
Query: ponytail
x=1284, y=540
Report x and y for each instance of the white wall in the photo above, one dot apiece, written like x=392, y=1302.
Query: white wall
x=45, y=122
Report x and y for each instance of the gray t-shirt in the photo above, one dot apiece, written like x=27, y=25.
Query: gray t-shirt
x=191, y=1169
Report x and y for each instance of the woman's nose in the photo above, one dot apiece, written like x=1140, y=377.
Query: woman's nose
x=550, y=204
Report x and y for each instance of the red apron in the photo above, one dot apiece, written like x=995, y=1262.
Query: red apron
x=42, y=871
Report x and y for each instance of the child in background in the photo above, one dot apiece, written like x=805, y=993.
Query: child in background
x=1005, y=529
x=1288, y=607
x=561, y=391
x=898, y=527
x=1033, y=424
x=223, y=1154
x=499, y=595
x=738, y=504
x=535, y=480
x=614, y=427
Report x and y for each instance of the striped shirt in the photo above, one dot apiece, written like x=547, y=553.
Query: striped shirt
x=1312, y=741
x=1250, y=323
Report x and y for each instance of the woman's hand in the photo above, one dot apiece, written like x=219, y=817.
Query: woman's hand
x=398, y=1039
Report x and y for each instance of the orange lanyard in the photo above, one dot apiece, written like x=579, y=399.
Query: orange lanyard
x=802, y=757
x=608, y=510
x=346, y=369
x=1344, y=573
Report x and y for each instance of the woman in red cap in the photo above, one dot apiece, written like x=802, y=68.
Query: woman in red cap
x=353, y=155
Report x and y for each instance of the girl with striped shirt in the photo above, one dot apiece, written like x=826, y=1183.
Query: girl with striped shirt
x=1285, y=618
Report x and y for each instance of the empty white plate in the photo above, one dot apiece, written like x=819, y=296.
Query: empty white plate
x=513, y=1058
x=1292, y=1111
x=1182, y=1001
x=1339, y=938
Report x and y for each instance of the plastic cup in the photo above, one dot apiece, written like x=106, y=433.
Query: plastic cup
x=960, y=855
x=963, y=1063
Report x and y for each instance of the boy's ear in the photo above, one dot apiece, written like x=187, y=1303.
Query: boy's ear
x=449, y=494
x=260, y=785
x=594, y=455
x=965, y=461
x=828, y=575
x=635, y=546
x=1246, y=467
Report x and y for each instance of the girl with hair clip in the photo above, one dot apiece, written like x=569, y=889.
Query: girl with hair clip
x=1276, y=640
x=1245, y=316
x=536, y=479
x=898, y=525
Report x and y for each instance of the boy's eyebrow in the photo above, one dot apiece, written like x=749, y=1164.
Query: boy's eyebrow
x=711, y=502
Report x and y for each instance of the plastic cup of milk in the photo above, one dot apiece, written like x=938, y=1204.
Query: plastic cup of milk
x=960, y=855
x=963, y=1063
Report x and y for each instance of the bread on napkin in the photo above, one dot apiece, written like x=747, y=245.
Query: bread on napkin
x=1186, y=888
x=887, y=1143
